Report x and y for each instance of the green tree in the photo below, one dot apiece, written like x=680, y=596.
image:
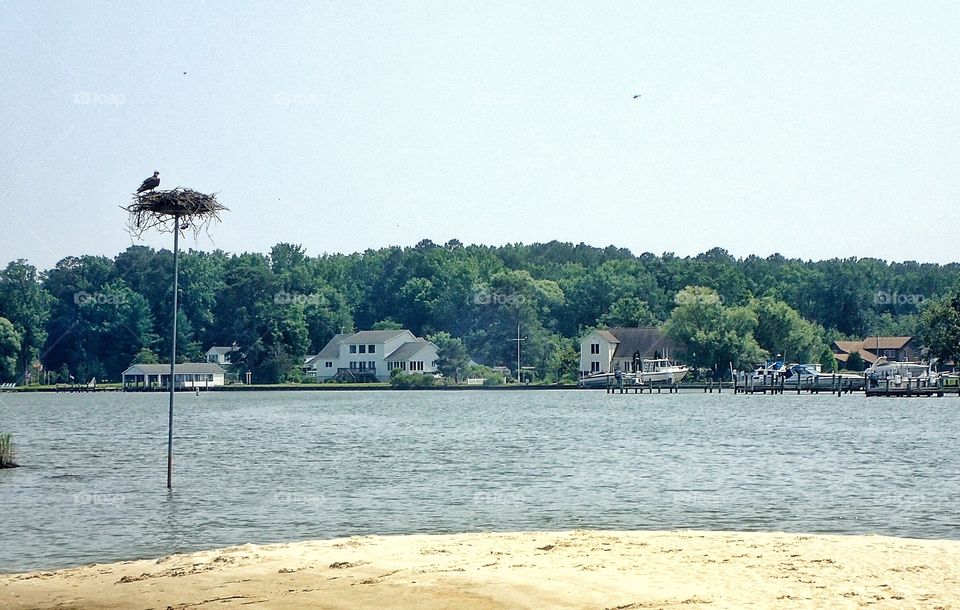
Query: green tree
x=714, y=336
x=145, y=356
x=781, y=329
x=940, y=327
x=387, y=324
x=855, y=362
x=452, y=357
x=628, y=311
x=9, y=350
x=25, y=303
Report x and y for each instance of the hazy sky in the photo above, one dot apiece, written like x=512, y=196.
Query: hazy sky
x=813, y=129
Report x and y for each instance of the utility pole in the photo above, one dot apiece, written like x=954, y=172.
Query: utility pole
x=518, y=340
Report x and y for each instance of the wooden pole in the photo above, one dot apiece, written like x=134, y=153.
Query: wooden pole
x=173, y=348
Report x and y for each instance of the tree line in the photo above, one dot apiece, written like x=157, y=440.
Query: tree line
x=92, y=316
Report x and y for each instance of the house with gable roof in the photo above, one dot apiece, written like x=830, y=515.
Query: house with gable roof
x=370, y=355
x=612, y=349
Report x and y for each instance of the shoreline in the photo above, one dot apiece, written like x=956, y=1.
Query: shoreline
x=567, y=569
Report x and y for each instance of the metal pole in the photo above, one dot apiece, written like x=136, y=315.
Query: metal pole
x=173, y=348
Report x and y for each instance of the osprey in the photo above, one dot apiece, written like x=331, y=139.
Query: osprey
x=150, y=183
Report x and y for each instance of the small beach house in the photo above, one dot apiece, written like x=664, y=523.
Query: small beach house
x=188, y=375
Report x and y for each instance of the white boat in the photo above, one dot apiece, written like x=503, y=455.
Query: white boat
x=900, y=374
x=650, y=371
x=599, y=380
x=661, y=370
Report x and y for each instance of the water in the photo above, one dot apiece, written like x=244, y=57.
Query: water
x=270, y=466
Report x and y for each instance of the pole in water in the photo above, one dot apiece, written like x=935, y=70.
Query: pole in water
x=173, y=350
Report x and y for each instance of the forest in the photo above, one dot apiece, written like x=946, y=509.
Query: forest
x=92, y=316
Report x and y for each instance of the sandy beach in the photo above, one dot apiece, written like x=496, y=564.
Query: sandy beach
x=574, y=569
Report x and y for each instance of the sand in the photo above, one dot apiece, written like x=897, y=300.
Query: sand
x=578, y=569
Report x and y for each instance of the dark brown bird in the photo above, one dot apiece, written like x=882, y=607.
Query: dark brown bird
x=150, y=183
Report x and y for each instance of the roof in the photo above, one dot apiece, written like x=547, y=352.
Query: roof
x=332, y=349
x=409, y=350
x=164, y=369
x=374, y=336
x=847, y=347
x=222, y=350
x=887, y=342
x=606, y=334
x=868, y=357
x=647, y=340
x=868, y=347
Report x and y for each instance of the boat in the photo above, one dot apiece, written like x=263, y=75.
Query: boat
x=810, y=376
x=661, y=370
x=807, y=375
x=649, y=371
x=599, y=380
x=900, y=374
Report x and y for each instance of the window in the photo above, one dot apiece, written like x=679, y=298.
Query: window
x=594, y=367
x=372, y=365
x=328, y=364
x=594, y=348
x=371, y=349
x=353, y=349
x=416, y=365
x=353, y=365
x=363, y=349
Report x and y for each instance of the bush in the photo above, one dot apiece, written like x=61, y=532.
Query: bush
x=406, y=381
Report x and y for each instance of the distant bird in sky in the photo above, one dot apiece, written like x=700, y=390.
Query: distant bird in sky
x=636, y=96
x=150, y=183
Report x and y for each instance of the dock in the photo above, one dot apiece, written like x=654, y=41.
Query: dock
x=83, y=388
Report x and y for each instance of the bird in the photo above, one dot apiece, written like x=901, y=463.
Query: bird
x=636, y=96
x=150, y=183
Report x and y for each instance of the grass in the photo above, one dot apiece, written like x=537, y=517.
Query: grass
x=6, y=450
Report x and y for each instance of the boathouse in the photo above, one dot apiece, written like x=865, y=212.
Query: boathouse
x=187, y=376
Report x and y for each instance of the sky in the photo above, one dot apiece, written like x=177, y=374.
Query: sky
x=811, y=129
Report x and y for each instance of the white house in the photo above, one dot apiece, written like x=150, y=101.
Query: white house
x=188, y=375
x=371, y=354
x=605, y=351
x=221, y=354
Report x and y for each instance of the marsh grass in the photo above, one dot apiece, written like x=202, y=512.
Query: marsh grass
x=6, y=450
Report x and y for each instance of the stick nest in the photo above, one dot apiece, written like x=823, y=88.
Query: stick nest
x=168, y=211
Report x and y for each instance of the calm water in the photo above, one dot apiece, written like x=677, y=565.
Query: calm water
x=263, y=467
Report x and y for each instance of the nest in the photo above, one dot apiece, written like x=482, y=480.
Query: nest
x=168, y=211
